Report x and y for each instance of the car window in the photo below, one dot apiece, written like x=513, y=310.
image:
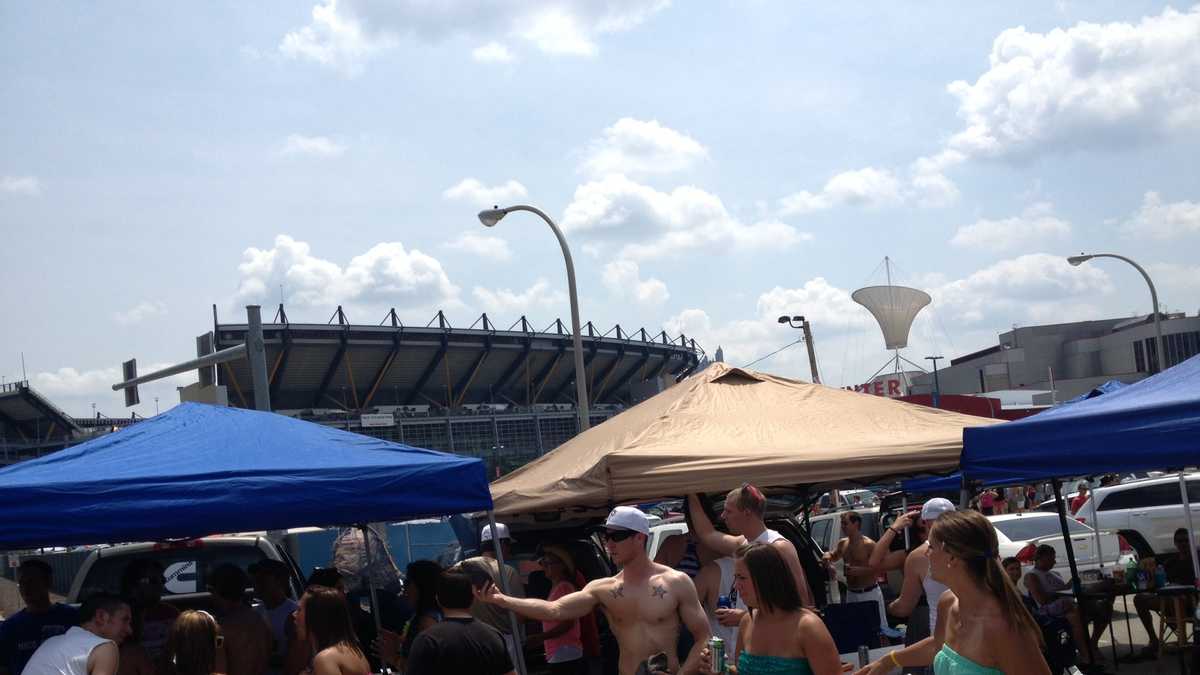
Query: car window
x=820, y=532
x=1024, y=529
x=870, y=525
x=1144, y=496
x=186, y=569
x=1193, y=487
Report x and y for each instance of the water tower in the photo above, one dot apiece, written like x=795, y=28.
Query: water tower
x=894, y=308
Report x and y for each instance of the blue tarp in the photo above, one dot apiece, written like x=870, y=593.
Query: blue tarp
x=1152, y=424
x=200, y=469
x=1106, y=388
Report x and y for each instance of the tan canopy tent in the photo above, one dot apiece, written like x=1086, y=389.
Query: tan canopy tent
x=724, y=426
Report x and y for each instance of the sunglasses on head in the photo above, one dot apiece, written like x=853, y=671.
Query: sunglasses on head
x=617, y=535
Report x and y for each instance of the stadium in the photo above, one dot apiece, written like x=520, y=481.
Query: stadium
x=505, y=395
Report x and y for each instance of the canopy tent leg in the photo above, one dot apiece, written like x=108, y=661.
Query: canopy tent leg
x=366, y=533
x=904, y=512
x=1096, y=534
x=964, y=493
x=1187, y=513
x=518, y=643
x=1076, y=586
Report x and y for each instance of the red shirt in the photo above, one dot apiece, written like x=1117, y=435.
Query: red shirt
x=1078, y=503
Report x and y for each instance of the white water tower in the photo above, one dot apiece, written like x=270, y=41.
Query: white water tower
x=894, y=308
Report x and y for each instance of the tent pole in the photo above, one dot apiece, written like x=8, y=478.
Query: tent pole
x=964, y=493
x=1096, y=532
x=370, y=582
x=1187, y=512
x=1076, y=587
x=904, y=512
x=518, y=643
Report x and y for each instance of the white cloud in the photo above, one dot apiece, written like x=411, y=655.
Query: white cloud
x=868, y=187
x=623, y=279
x=346, y=34
x=1163, y=221
x=386, y=275
x=1038, y=287
x=1036, y=224
x=492, y=52
x=314, y=146
x=654, y=224
x=20, y=185
x=483, y=245
x=637, y=147
x=506, y=302
x=474, y=191
x=139, y=312
x=1091, y=85
x=74, y=390
x=1177, y=284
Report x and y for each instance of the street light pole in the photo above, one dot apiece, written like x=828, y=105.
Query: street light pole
x=937, y=386
x=489, y=217
x=1077, y=260
x=806, y=328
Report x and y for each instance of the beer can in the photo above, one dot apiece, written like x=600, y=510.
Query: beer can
x=716, y=655
x=864, y=656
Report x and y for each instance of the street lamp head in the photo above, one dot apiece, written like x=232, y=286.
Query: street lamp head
x=1077, y=260
x=490, y=217
x=785, y=319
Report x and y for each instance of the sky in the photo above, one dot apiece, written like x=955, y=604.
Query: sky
x=713, y=165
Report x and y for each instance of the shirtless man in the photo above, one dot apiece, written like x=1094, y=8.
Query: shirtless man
x=862, y=584
x=743, y=514
x=644, y=602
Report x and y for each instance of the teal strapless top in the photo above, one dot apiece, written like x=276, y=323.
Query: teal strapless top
x=757, y=664
x=950, y=662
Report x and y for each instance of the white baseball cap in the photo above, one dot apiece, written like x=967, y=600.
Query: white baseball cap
x=936, y=507
x=486, y=533
x=628, y=518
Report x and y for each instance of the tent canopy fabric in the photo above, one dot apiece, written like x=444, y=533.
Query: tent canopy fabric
x=200, y=469
x=1151, y=424
x=724, y=426
x=928, y=484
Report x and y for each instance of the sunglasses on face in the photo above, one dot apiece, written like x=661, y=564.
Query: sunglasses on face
x=617, y=535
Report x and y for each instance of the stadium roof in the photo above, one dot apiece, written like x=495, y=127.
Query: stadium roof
x=356, y=367
x=30, y=417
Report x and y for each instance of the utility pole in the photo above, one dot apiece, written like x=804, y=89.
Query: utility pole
x=806, y=334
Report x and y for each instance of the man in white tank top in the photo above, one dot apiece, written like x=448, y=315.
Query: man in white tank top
x=743, y=514
x=918, y=582
x=91, y=648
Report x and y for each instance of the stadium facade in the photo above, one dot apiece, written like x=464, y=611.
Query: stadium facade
x=505, y=395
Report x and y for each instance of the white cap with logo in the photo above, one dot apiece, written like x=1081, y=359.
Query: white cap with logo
x=628, y=518
x=936, y=507
x=501, y=529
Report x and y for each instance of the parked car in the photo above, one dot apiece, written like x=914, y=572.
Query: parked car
x=1146, y=512
x=186, y=565
x=1019, y=535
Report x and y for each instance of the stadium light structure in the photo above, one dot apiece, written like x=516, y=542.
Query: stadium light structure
x=489, y=217
x=1077, y=260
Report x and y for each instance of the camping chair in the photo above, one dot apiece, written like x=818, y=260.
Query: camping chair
x=1169, y=628
x=1060, y=651
x=853, y=624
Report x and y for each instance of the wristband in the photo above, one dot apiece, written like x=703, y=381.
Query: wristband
x=895, y=661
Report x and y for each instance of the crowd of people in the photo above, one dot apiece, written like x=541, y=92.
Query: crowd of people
x=965, y=610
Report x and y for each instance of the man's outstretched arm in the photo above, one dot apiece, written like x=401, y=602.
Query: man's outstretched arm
x=570, y=606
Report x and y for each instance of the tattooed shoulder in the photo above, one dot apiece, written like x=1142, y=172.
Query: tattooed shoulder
x=618, y=591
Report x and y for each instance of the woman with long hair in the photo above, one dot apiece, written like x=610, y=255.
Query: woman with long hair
x=778, y=636
x=323, y=618
x=983, y=627
x=193, y=644
x=420, y=589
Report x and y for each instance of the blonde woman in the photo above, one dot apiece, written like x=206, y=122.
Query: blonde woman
x=194, y=645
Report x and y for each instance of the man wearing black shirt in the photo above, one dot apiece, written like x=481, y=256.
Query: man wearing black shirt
x=459, y=643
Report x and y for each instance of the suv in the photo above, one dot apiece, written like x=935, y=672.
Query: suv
x=1146, y=512
x=186, y=566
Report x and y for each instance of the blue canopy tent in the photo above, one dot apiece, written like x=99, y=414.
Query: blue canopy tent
x=200, y=469
x=1152, y=424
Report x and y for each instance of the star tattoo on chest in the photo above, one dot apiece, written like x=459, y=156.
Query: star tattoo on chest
x=618, y=592
x=659, y=591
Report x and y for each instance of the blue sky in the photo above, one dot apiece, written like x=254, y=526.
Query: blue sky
x=715, y=164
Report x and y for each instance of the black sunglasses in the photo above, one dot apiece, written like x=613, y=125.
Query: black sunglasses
x=617, y=535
